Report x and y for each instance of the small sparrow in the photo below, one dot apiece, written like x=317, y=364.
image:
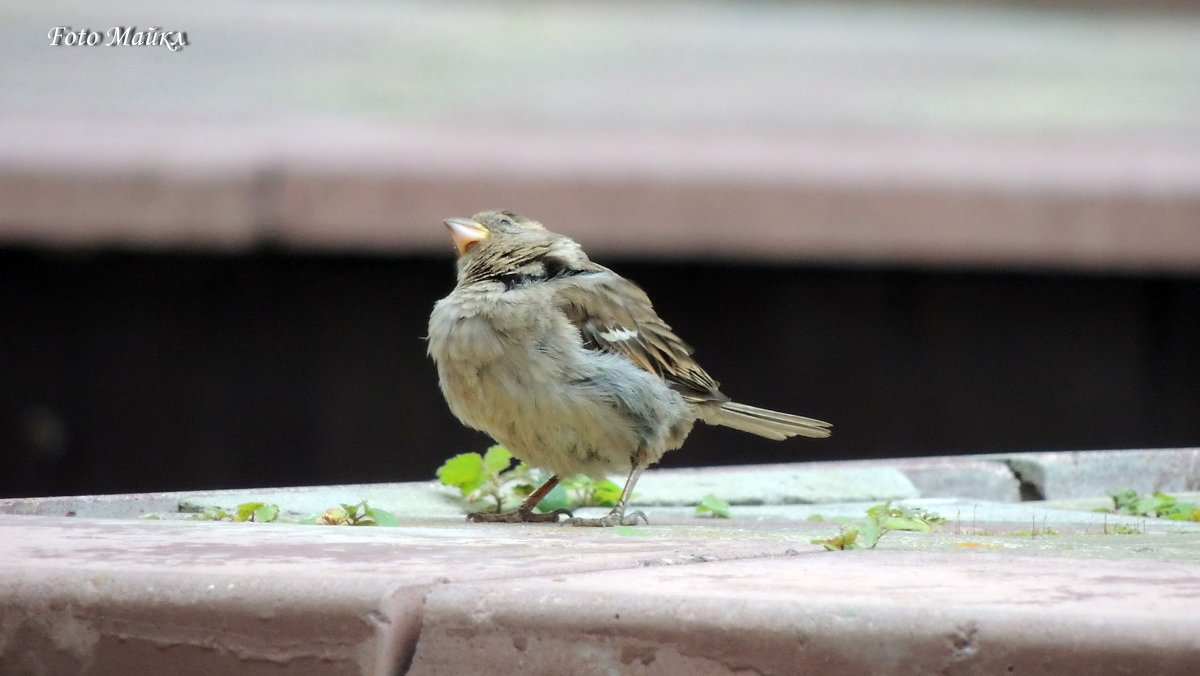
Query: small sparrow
x=566, y=363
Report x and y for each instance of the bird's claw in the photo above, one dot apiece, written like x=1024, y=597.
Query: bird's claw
x=519, y=516
x=611, y=519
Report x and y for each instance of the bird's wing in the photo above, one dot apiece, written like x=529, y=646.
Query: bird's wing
x=614, y=315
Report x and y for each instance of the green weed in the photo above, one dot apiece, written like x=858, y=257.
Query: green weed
x=1157, y=505
x=880, y=519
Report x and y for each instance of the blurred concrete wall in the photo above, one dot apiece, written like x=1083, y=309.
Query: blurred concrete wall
x=946, y=227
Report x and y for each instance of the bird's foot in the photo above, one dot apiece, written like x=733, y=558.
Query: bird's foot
x=519, y=516
x=613, y=518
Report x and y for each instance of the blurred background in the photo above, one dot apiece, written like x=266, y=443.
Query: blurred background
x=946, y=227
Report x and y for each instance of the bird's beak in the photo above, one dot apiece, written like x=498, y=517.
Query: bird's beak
x=465, y=233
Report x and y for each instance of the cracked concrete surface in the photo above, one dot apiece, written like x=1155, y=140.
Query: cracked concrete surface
x=859, y=613
x=1002, y=587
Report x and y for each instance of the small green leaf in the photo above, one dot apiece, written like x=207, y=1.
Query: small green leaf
x=907, y=523
x=266, y=513
x=869, y=533
x=383, y=517
x=1159, y=505
x=358, y=515
x=464, y=470
x=245, y=511
x=845, y=539
x=880, y=519
x=605, y=493
x=557, y=498
x=714, y=506
x=213, y=514
x=880, y=511
x=497, y=459
x=630, y=531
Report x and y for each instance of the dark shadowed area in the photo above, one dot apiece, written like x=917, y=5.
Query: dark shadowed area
x=139, y=372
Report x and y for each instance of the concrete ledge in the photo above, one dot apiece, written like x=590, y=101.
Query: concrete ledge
x=338, y=186
x=424, y=498
x=961, y=477
x=951, y=476
x=775, y=484
x=162, y=621
x=93, y=596
x=859, y=613
x=1050, y=475
x=1076, y=474
x=1002, y=587
x=987, y=478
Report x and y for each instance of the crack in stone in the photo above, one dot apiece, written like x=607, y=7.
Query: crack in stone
x=1029, y=480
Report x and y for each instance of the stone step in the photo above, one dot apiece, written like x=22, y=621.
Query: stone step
x=1000, y=587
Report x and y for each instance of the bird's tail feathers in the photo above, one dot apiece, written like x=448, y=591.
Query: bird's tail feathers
x=769, y=424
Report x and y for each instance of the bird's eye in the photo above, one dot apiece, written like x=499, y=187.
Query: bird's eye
x=507, y=218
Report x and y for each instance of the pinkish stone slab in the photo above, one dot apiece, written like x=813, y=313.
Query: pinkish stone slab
x=874, y=612
x=342, y=185
x=98, y=205
x=96, y=596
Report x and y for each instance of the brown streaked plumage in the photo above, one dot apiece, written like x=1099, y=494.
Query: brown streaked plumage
x=567, y=364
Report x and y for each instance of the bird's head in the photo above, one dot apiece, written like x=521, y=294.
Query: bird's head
x=496, y=243
x=491, y=228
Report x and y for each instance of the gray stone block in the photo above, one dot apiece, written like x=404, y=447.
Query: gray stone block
x=960, y=477
x=1084, y=474
x=773, y=485
x=421, y=499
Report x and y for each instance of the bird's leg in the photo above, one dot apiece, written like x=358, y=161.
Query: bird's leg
x=618, y=517
x=524, y=513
